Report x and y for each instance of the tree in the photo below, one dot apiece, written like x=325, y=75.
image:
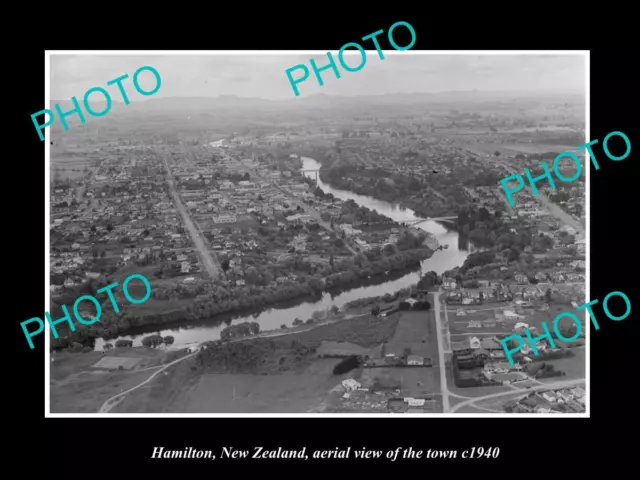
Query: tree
x=496, y=153
x=152, y=341
x=103, y=253
x=428, y=281
x=375, y=310
x=168, y=340
x=124, y=343
x=283, y=326
x=547, y=295
x=107, y=346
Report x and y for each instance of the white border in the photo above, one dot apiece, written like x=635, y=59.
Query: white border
x=47, y=90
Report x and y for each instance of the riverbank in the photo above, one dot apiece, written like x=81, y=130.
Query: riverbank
x=419, y=207
x=285, y=312
x=349, y=274
x=282, y=374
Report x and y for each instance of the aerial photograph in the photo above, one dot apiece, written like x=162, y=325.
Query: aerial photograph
x=349, y=250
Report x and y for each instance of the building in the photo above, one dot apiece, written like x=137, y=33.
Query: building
x=226, y=218
x=415, y=360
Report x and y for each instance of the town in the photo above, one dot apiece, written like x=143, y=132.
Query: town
x=319, y=255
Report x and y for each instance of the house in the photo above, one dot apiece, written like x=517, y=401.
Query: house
x=474, y=324
x=185, y=267
x=497, y=367
x=224, y=218
x=350, y=384
x=509, y=315
x=548, y=396
x=415, y=360
x=521, y=279
x=474, y=342
x=541, y=277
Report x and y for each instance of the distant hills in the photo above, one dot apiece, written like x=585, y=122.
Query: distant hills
x=223, y=102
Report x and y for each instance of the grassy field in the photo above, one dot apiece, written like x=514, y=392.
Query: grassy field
x=288, y=392
x=574, y=367
x=76, y=387
x=274, y=374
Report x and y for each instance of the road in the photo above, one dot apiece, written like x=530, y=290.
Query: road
x=209, y=261
x=113, y=401
x=551, y=207
x=441, y=361
x=548, y=386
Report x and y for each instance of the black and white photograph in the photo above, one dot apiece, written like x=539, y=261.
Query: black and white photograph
x=251, y=233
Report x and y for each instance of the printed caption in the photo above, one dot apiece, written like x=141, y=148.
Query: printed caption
x=262, y=453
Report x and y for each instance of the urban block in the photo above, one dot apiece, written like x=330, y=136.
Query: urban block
x=77, y=110
x=547, y=335
x=67, y=318
x=556, y=163
x=363, y=57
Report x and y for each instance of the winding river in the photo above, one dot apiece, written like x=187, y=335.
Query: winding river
x=273, y=318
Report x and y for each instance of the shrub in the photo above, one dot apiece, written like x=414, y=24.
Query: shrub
x=124, y=343
x=152, y=341
x=75, y=347
x=347, y=365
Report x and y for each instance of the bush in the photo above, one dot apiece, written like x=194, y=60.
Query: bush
x=152, y=341
x=75, y=347
x=283, y=326
x=347, y=365
x=124, y=343
x=297, y=321
x=107, y=346
x=240, y=330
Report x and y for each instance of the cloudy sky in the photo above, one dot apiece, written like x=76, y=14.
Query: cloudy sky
x=264, y=75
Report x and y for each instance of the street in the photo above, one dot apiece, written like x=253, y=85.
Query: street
x=441, y=360
x=210, y=264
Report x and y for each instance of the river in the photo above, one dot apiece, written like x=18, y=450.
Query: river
x=273, y=318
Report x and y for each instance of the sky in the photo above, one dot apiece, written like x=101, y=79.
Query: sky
x=264, y=76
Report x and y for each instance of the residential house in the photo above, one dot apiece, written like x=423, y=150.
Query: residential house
x=415, y=360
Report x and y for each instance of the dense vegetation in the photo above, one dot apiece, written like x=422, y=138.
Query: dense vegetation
x=240, y=330
x=212, y=298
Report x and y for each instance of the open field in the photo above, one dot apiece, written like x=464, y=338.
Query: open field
x=278, y=374
x=287, y=392
x=78, y=387
x=574, y=367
